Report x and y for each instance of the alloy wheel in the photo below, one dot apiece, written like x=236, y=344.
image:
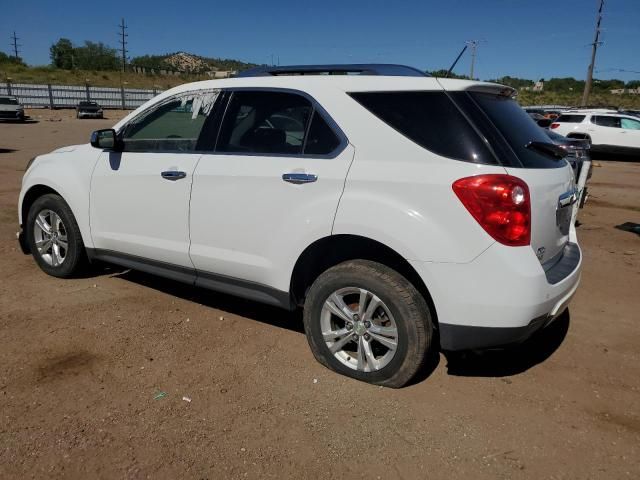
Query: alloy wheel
x=359, y=329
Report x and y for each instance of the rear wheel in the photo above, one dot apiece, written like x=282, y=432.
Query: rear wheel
x=54, y=237
x=366, y=321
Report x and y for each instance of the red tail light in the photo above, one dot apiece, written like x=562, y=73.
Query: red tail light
x=500, y=204
x=554, y=125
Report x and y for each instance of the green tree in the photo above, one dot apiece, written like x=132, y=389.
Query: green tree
x=443, y=73
x=4, y=58
x=61, y=54
x=95, y=56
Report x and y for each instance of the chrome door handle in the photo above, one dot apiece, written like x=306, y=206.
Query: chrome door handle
x=299, y=178
x=173, y=175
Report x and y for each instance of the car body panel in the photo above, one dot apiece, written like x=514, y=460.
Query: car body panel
x=134, y=210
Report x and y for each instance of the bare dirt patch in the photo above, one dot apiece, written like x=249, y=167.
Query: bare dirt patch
x=93, y=372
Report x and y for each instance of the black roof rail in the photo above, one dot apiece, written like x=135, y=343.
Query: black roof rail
x=347, y=69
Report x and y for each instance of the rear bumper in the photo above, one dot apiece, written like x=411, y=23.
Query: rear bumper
x=90, y=114
x=500, y=298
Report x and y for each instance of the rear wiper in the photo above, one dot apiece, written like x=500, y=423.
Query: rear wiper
x=548, y=149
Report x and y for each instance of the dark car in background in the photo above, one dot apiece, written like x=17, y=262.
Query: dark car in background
x=88, y=109
x=579, y=157
x=10, y=109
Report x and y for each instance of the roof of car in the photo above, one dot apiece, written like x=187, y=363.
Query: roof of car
x=385, y=69
x=315, y=84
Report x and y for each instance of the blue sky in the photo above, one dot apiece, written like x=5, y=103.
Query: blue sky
x=525, y=38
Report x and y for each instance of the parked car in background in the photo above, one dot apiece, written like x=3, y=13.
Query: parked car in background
x=87, y=109
x=579, y=157
x=10, y=109
x=540, y=119
x=404, y=214
x=606, y=130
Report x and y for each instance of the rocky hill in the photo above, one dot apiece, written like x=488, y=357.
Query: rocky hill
x=184, y=62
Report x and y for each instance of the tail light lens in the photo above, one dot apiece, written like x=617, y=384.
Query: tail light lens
x=554, y=125
x=500, y=204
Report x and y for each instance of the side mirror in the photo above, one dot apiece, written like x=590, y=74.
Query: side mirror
x=106, y=139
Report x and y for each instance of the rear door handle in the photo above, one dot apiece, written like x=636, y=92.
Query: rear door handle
x=299, y=178
x=173, y=175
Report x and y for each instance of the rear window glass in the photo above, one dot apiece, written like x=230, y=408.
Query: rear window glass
x=8, y=101
x=429, y=119
x=570, y=118
x=517, y=128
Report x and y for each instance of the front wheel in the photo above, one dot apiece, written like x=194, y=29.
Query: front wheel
x=54, y=237
x=365, y=320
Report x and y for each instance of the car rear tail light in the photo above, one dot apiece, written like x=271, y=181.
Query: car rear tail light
x=555, y=125
x=500, y=204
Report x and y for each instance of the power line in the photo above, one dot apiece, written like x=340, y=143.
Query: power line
x=14, y=45
x=123, y=44
x=474, y=47
x=594, y=47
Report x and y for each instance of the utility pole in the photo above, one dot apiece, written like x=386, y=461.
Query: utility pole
x=594, y=46
x=15, y=45
x=123, y=44
x=474, y=46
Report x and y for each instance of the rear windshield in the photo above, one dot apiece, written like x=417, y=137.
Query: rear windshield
x=517, y=129
x=431, y=120
x=8, y=101
x=570, y=119
x=88, y=104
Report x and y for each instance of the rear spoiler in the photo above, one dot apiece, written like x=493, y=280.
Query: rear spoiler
x=451, y=84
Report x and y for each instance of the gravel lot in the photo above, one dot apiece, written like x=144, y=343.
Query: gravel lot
x=84, y=362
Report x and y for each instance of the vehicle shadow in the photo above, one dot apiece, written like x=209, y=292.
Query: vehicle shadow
x=489, y=363
x=274, y=316
x=514, y=359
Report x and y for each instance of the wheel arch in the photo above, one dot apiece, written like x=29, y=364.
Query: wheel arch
x=34, y=192
x=332, y=250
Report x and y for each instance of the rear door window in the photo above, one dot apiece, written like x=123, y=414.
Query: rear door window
x=569, y=119
x=262, y=122
x=429, y=119
x=606, y=121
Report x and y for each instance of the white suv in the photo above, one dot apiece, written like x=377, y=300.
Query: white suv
x=607, y=130
x=404, y=213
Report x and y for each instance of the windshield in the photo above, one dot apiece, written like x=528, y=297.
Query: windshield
x=8, y=101
x=88, y=104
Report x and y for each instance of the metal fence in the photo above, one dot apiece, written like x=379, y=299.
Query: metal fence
x=68, y=96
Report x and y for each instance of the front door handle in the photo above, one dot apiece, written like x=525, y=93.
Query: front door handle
x=173, y=175
x=299, y=178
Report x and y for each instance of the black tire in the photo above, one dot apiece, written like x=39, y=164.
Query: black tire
x=75, y=257
x=408, y=307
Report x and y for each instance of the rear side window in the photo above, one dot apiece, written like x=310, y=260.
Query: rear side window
x=517, y=128
x=429, y=119
x=605, y=121
x=570, y=119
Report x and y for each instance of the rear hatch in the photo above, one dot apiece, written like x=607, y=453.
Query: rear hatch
x=526, y=152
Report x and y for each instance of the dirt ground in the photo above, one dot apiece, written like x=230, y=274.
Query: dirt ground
x=84, y=363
